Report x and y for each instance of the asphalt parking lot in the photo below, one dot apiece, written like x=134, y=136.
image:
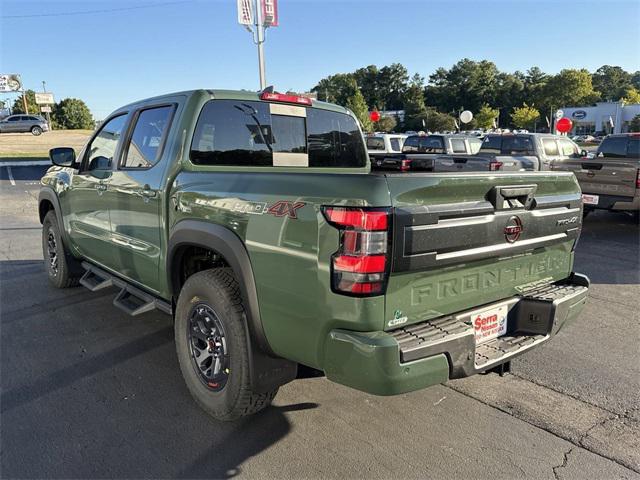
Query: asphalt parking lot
x=87, y=391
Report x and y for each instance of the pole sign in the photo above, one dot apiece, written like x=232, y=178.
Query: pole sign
x=10, y=82
x=45, y=109
x=44, y=99
x=270, y=13
x=245, y=12
x=559, y=114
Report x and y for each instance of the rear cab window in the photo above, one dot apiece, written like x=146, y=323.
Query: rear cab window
x=492, y=144
x=396, y=144
x=613, y=147
x=517, y=146
x=633, y=149
x=550, y=146
x=262, y=134
x=426, y=144
x=458, y=145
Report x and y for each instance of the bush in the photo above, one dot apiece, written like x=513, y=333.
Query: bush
x=71, y=114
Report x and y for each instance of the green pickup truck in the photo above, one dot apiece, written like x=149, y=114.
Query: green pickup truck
x=255, y=221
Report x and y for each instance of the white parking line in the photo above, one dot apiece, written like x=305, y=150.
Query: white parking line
x=13, y=182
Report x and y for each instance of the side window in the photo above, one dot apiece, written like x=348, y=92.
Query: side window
x=14, y=119
x=633, y=150
x=102, y=148
x=458, y=146
x=615, y=147
x=492, y=144
x=334, y=140
x=233, y=132
x=145, y=147
x=550, y=146
x=375, y=143
x=568, y=148
x=396, y=144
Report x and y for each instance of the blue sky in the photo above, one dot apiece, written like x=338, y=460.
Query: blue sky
x=111, y=58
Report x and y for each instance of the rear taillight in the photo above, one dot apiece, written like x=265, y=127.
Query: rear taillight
x=495, y=166
x=361, y=264
x=405, y=165
x=638, y=178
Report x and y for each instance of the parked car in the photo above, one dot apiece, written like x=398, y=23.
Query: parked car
x=610, y=180
x=382, y=144
x=24, y=123
x=420, y=151
x=533, y=151
x=254, y=220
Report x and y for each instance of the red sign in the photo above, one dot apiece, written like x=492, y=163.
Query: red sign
x=564, y=125
x=270, y=13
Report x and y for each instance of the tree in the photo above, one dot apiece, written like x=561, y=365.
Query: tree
x=358, y=106
x=336, y=88
x=611, y=82
x=18, y=105
x=634, y=124
x=468, y=84
x=525, y=116
x=385, y=124
x=72, y=113
x=438, y=122
x=486, y=116
x=631, y=96
x=368, y=81
x=414, y=108
x=569, y=88
x=393, y=82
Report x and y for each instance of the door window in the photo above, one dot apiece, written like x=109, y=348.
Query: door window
x=568, y=148
x=13, y=119
x=550, y=147
x=615, y=147
x=103, y=146
x=148, y=137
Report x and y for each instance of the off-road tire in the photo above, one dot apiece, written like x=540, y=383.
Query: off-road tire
x=219, y=290
x=68, y=271
x=36, y=130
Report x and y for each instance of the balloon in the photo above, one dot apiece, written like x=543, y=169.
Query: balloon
x=374, y=116
x=466, y=116
x=563, y=125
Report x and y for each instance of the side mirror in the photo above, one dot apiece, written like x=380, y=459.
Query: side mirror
x=100, y=163
x=62, y=156
x=584, y=153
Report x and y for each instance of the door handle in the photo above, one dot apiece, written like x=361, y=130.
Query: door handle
x=147, y=193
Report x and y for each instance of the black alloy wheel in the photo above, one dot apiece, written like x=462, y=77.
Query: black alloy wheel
x=208, y=347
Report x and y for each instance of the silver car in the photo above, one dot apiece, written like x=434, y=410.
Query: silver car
x=24, y=123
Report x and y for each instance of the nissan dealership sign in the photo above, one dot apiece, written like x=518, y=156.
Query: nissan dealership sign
x=579, y=114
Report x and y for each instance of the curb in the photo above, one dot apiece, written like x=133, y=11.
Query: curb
x=25, y=164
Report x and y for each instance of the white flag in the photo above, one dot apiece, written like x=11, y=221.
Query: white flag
x=611, y=121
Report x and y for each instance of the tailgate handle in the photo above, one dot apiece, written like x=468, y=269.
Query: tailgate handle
x=516, y=196
x=460, y=160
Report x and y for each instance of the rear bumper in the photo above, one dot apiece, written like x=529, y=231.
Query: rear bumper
x=431, y=352
x=616, y=202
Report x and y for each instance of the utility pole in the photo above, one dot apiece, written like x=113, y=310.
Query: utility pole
x=44, y=90
x=24, y=101
x=260, y=42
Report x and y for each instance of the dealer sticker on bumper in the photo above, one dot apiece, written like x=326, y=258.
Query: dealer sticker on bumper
x=590, y=199
x=489, y=323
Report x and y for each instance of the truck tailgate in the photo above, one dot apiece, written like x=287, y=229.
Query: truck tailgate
x=608, y=176
x=469, y=239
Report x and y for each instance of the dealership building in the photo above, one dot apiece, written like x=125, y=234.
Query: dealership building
x=607, y=117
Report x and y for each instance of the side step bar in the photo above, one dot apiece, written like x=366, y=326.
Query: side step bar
x=130, y=299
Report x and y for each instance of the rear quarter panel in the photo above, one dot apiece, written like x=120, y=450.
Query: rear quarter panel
x=290, y=252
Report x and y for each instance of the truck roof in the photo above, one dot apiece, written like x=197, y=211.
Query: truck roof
x=220, y=94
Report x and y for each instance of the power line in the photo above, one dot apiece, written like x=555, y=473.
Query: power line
x=87, y=12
